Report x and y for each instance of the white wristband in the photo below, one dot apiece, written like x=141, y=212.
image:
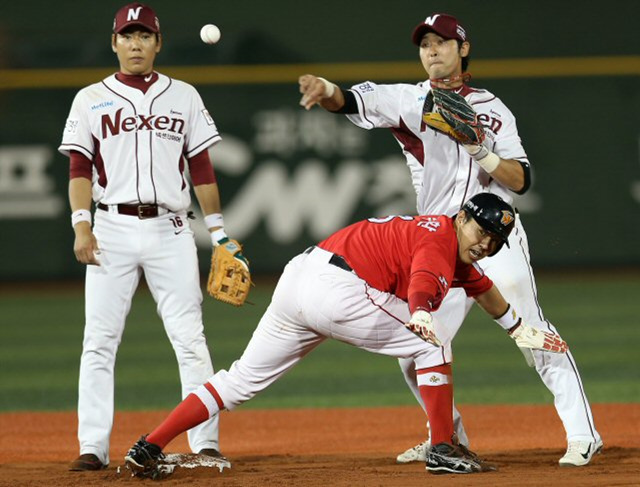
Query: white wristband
x=214, y=220
x=509, y=319
x=80, y=216
x=217, y=235
x=483, y=156
x=329, y=88
x=490, y=162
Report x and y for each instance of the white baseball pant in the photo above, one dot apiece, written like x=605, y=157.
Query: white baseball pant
x=315, y=300
x=167, y=256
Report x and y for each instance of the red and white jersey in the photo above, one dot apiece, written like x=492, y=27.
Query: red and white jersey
x=137, y=140
x=414, y=258
x=443, y=174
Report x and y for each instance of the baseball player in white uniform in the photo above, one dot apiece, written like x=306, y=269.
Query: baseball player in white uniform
x=445, y=173
x=373, y=285
x=129, y=138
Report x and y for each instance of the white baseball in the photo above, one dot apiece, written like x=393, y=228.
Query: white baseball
x=210, y=34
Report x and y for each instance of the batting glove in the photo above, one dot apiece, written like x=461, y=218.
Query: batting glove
x=528, y=337
x=421, y=324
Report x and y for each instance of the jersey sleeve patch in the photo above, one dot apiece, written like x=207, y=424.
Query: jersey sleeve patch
x=207, y=117
x=71, y=126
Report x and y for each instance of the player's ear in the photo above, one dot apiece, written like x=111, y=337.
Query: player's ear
x=158, y=42
x=113, y=43
x=465, y=48
x=460, y=218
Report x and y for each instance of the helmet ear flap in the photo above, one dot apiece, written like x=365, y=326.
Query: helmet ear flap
x=498, y=247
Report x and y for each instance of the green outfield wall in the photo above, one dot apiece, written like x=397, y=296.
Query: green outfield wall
x=569, y=72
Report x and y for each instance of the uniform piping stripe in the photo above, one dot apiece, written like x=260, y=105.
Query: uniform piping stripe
x=77, y=147
x=533, y=287
x=153, y=183
x=585, y=402
x=364, y=112
x=466, y=188
x=214, y=393
x=366, y=291
x=482, y=101
x=195, y=149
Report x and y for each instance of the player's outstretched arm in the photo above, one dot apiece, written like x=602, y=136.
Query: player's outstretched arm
x=85, y=245
x=492, y=302
x=318, y=91
x=421, y=324
x=525, y=336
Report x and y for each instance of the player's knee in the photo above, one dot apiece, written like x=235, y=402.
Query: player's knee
x=407, y=366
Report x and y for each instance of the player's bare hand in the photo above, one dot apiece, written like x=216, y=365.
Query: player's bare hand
x=85, y=245
x=313, y=90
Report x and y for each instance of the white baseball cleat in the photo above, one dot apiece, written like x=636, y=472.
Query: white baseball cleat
x=579, y=453
x=416, y=454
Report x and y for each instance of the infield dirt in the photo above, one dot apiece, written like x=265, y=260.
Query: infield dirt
x=333, y=447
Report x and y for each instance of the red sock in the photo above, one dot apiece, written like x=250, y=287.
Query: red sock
x=189, y=413
x=438, y=401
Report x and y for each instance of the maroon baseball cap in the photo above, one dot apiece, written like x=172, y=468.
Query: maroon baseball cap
x=444, y=25
x=136, y=14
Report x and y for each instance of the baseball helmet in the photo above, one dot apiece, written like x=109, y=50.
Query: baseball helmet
x=493, y=214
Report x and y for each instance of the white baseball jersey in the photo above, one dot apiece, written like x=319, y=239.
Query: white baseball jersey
x=443, y=174
x=137, y=140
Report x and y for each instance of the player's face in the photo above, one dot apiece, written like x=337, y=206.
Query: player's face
x=441, y=58
x=474, y=242
x=136, y=50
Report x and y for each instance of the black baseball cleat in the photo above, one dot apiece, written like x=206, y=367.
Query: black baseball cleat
x=448, y=458
x=142, y=458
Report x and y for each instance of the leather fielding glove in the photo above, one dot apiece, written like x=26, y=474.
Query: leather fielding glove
x=229, y=278
x=448, y=112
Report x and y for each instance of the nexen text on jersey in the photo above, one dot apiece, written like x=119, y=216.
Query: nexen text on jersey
x=142, y=122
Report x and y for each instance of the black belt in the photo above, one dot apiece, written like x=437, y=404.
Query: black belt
x=141, y=211
x=336, y=260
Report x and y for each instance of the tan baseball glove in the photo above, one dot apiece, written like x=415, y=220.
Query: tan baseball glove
x=229, y=277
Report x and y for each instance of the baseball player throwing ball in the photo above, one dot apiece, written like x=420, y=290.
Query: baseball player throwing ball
x=459, y=141
x=128, y=138
x=354, y=287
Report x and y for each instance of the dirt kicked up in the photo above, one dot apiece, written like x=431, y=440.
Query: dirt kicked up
x=333, y=447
